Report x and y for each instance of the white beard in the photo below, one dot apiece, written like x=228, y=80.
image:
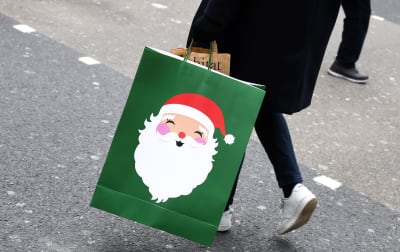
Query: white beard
x=167, y=170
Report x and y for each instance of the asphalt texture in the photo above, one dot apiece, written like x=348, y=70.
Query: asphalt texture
x=58, y=116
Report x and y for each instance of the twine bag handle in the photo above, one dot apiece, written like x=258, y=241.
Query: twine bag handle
x=213, y=49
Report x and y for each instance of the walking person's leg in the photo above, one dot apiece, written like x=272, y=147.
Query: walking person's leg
x=226, y=220
x=298, y=202
x=274, y=135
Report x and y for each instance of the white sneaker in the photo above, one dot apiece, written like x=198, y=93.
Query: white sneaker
x=226, y=221
x=297, y=209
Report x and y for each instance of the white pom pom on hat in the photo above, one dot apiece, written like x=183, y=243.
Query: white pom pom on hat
x=229, y=139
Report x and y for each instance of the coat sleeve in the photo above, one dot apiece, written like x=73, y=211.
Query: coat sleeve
x=222, y=12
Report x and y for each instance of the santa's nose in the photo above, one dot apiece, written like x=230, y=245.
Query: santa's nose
x=181, y=134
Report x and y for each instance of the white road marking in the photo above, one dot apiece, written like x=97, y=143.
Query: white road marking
x=377, y=18
x=159, y=6
x=89, y=61
x=328, y=182
x=24, y=28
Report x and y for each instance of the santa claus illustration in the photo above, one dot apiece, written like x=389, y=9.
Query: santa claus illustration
x=176, y=147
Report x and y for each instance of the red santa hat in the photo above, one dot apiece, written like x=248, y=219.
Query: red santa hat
x=200, y=108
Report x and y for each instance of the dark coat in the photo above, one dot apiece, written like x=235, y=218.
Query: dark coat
x=279, y=44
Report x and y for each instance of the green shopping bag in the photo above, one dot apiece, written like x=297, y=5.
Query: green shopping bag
x=178, y=146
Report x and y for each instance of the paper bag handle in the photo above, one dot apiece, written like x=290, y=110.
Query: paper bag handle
x=213, y=48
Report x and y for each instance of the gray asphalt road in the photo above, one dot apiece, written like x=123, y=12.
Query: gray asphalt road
x=389, y=9
x=59, y=115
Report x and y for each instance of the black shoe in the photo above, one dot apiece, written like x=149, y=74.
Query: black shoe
x=351, y=74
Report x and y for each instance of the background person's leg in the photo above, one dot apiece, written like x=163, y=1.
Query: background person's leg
x=355, y=28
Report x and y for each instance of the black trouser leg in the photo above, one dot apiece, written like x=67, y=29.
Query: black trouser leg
x=355, y=28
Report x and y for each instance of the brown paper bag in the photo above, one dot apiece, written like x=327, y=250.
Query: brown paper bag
x=219, y=61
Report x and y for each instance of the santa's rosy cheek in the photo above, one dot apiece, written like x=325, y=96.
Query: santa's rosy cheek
x=163, y=128
x=200, y=140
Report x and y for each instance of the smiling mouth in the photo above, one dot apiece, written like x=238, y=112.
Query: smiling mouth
x=179, y=143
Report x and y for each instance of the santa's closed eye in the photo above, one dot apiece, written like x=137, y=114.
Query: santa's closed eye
x=170, y=121
x=201, y=134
